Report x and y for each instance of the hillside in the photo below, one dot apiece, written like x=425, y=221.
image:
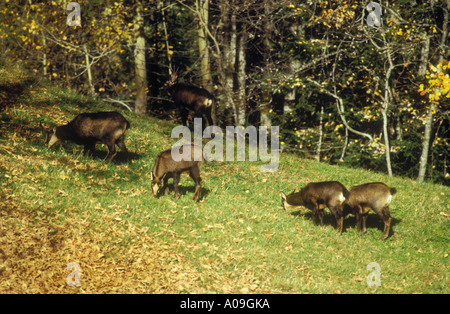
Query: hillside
x=59, y=207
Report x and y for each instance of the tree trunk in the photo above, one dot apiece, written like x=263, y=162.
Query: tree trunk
x=224, y=54
x=241, y=77
x=319, y=144
x=139, y=61
x=385, y=109
x=44, y=56
x=229, y=44
x=445, y=32
x=166, y=38
x=424, y=56
x=429, y=123
x=426, y=145
x=203, y=48
x=344, y=149
x=88, y=70
x=265, y=107
x=386, y=140
x=205, y=67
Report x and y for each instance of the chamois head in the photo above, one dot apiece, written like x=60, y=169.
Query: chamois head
x=156, y=184
x=174, y=74
x=50, y=136
x=284, y=200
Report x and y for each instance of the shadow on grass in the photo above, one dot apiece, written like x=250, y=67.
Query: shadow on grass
x=373, y=221
x=187, y=191
x=11, y=93
x=119, y=159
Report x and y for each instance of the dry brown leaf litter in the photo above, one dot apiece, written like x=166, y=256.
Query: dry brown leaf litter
x=34, y=254
x=34, y=257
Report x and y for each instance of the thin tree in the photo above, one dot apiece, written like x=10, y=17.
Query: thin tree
x=432, y=109
x=139, y=61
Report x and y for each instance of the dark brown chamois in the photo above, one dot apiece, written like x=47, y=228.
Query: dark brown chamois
x=89, y=129
x=191, y=98
x=376, y=196
x=167, y=167
x=317, y=196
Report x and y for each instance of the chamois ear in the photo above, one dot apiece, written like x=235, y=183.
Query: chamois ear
x=174, y=74
x=44, y=128
x=151, y=175
x=283, y=196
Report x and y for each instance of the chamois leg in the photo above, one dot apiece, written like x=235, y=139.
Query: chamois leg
x=184, y=116
x=112, y=151
x=315, y=213
x=166, y=185
x=207, y=113
x=195, y=175
x=120, y=142
x=340, y=224
x=387, y=226
x=387, y=222
x=176, y=180
x=358, y=221
x=364, y=219
x=213, y=114
x=89, y=148
x=337, y=212
x=320, y=214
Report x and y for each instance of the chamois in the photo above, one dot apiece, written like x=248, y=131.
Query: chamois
x=376, y=196
x=166, y=167
x=317, y=196
x=191, y=98
x=89, y=129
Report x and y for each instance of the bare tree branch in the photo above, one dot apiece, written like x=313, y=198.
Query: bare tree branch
x=340, y=106
x=121, y=102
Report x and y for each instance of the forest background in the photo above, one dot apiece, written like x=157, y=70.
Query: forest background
x=341, y=89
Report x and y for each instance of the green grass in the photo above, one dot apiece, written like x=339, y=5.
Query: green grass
x=58, y=206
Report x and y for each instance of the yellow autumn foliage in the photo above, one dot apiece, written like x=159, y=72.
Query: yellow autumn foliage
x=438, y=82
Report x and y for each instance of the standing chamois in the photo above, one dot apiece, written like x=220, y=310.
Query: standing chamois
x=191, y=98
x=376, y=196
x=317, y=196
x=89, y=129
x=166, y=167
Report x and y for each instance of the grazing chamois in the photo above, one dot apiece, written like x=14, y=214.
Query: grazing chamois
x=166, y=167
x=191, y=98
x=316, y=196
x=376, y=196
x=89, y=129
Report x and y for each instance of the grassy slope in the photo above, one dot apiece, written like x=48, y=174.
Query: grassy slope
x=58, y=206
